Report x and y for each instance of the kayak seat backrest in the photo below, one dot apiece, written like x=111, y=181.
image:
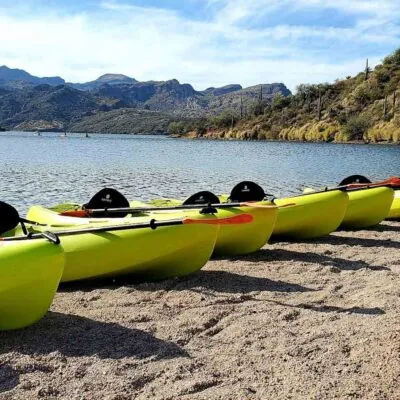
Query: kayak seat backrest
x=9, y=217
x=247, y=191
x=354, y=179
x=108, y=198
x=203, y=197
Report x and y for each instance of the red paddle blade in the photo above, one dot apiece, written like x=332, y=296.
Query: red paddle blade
x=74, y=213
x=235, y=220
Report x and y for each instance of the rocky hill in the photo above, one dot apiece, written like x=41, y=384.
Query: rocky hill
x=125, y=120
x=18, y=78
x=27, y=105
x=361, y=108
x=44, y=102
x=106, y=79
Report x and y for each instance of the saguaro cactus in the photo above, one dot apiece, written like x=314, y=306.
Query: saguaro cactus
x=385, y=106
x=319, y=109
x=394, y=103
x=367, y=70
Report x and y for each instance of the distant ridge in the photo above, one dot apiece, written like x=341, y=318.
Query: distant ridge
x=109, y=79
x=29, y=102
x=17, y=78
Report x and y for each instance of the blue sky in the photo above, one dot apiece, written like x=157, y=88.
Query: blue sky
x=202, y=42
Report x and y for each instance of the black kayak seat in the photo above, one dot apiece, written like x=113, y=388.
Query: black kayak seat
x=247, y=191
x=354, y=179
x=108, y=198
x=203, y=197
x=9, y=217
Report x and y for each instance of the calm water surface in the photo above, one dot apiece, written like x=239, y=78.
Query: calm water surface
x=49, y=169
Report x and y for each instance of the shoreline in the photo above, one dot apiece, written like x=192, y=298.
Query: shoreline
x=361, y=142
x=308, y=320
x=211, y=138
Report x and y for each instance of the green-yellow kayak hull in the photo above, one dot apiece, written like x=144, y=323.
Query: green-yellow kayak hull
x=367, y=207
x=30, y=271
x=165, y=252
x=394, y=212
x=235, y=239
x=313, y=215
x=230, y=239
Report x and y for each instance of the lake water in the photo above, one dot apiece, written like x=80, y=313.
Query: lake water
x=49, y=169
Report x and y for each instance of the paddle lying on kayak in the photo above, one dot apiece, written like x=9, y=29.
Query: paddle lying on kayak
x=153, y=224
x=231, y=240
x=211, y=209
x=181, y=244
x=30, y=272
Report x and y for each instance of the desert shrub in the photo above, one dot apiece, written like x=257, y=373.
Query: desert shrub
x=224, y=120
x=176, y=128
x=384, y=131
x=356, y=127
x=279, y=101
x=388, y=117
x=396, y=120
x=393, y=58
x=382, y=75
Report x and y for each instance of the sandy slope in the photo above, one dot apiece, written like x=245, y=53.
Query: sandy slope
x=316, y=320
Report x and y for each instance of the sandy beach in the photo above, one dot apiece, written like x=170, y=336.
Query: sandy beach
x=311, y=320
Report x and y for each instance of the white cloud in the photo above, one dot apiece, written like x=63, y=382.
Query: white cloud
x=159, y=44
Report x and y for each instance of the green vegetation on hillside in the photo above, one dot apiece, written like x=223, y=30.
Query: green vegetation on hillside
x=361, y=108
x=125, y=120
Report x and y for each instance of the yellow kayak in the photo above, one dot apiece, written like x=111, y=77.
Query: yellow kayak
x=30, y=271
x=235, y=240
x=150, y=254
x=301, y=217
x=230, y=240
x=394, y=212
x=367, y=207
x=314, y=215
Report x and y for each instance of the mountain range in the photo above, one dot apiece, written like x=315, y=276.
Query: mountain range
x=115, y=102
